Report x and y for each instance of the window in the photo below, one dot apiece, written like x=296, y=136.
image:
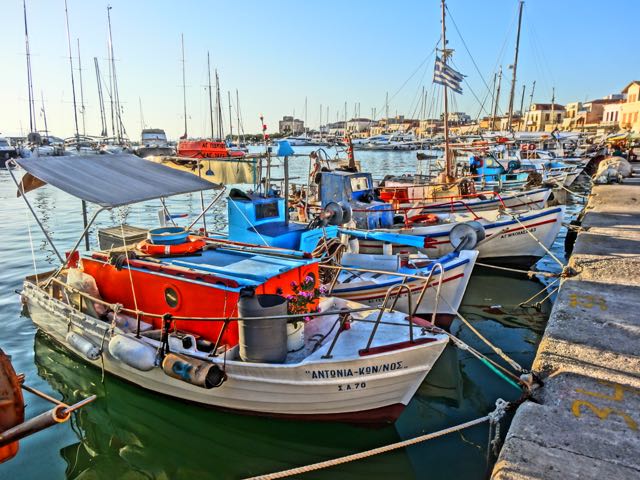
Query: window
x=635, y=117
x=546, y=117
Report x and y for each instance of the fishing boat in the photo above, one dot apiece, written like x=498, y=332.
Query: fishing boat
x=206, y=149
x=205, y=321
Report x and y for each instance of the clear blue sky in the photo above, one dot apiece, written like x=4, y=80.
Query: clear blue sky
x=277, y=53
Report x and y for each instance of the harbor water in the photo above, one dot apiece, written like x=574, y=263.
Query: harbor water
x=131, y=433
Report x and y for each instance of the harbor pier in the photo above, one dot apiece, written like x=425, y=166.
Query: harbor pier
x=584, y=422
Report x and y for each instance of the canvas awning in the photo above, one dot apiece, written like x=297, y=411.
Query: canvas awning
x=109, y=180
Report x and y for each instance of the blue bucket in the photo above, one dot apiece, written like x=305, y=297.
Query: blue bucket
x=168, y=236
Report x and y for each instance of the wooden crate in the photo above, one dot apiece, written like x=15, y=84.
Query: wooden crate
x=110, y=238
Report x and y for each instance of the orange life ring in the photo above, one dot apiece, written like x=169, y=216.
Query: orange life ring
x=194, y=244
x=425, y=218
x=532, y=147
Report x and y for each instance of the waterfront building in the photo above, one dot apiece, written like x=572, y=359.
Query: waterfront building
x=290, y=126
x=544, y=117
x=358, y=125
x=630, y=108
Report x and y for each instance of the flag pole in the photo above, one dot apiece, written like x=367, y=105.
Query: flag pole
x=447, y=158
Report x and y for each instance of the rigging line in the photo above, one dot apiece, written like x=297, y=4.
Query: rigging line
x=471, y=90
x=467, y=48
x=381, y=109
x=418, y=97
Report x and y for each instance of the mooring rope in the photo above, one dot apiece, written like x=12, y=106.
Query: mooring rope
x=493, y=417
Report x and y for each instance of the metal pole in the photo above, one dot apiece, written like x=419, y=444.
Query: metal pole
x=445, y=53
x=205, y=210
x=84, y=223
x=515, y=68
x=210, y=97
x=82, y=109
x=24, y=196
x=524, y=87
x=32, y=113
x=184, y=88
x=286, y=190
x=73, y=84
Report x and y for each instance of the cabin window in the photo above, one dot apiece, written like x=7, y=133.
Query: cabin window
x=266, y=210
x=171, y=297
x=359, y=183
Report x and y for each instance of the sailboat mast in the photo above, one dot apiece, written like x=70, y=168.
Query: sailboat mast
x=115, y=97
x=515, y=67
x=497, y=100
x=73, y=84
x=219, y=108
x=524, y=88
x=82, y=109
x=103, y=116
x=238, y=115
x=210, y=95
x=141, y=114
x=32, y=112
x=230, y=121
x=184, y=88
x=445, y=54
x=44, y=115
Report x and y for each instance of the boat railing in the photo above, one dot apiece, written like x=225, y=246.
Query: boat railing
x=393, y=294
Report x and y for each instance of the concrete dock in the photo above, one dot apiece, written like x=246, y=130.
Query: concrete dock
x=586, y=422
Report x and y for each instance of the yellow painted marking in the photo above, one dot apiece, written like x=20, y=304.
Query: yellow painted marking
x=587, y=301
x=602, y=413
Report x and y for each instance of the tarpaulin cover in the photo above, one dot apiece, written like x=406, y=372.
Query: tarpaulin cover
x=110, y=180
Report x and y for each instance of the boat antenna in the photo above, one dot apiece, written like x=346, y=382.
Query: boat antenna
x=184, y=89
x=44, y=115
x=73, y=84
x=32, y=113
x=515, y=67
x=230, y=122
x=210, y=95
x=445, y=54
x=103, y=116
x=82, y=108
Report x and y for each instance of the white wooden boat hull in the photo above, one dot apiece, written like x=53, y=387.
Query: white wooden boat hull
x=527, y=199
x=351, y=386
x=507, y=240
x=454, y=283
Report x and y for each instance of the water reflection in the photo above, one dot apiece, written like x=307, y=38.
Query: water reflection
x=130, y=431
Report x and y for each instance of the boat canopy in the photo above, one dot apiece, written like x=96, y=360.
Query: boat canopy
x=109, y=180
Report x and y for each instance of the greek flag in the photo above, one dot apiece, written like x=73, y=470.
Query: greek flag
x=447, y=76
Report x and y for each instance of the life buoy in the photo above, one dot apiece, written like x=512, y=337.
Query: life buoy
x=430, y=218
x=532, y=147
x=524, y=147
x=194, y=244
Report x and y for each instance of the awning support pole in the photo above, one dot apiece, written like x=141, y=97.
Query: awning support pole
x=204, y=211
x=24, y=196
x=84, y=223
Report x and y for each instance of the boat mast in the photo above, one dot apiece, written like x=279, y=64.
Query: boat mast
x=524, y=87
x=210, y=96
x=44, y=115
x=515, y=67
x=320, y=125
x=445, y=55
x=141, y=114
x=73, y=84
x=238, y=115
x=115, y=97
x=103, y=116
x=497, y=100
x=184, y=89
x=553, y=106
x=82, y=109
x=32, y=112
x=219, y=108
x=230, y=121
